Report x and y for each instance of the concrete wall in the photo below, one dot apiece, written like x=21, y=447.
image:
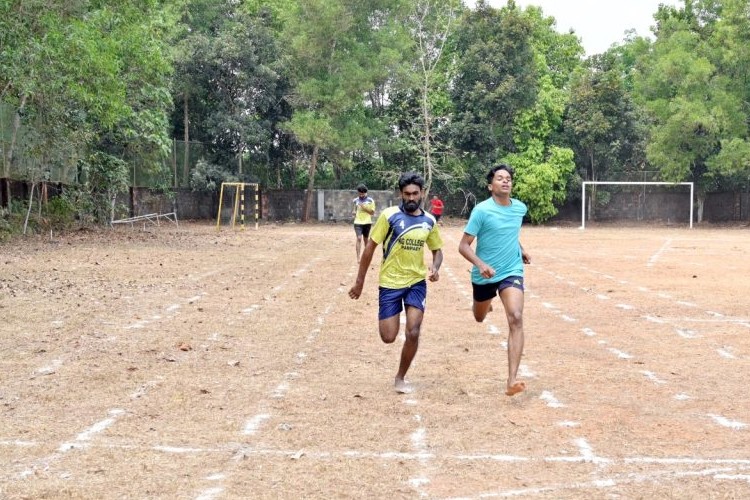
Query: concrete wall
x=327, y=204
x=336, y=205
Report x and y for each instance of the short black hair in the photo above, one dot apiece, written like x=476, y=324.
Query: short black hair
x=501, y=166
x=361, y=188
x=410, y=178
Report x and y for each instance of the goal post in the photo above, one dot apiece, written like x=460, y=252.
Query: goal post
x=237, y=197
x=633, y=183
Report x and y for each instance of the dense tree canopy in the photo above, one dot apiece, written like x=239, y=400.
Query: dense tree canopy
x=325, y=93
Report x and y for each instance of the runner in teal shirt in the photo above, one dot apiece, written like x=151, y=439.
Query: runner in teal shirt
x=498, y=262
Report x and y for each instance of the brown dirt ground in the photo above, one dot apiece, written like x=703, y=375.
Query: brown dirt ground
x=167, y=362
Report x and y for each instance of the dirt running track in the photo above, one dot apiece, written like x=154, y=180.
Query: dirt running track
x=172, y=363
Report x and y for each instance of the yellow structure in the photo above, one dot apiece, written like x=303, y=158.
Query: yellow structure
x=239, y=203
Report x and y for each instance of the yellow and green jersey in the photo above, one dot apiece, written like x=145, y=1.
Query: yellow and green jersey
x=403, y=237
x=360, y=216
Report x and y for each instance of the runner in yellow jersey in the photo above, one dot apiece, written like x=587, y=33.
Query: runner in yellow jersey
x=403, y=231
x=363, y=210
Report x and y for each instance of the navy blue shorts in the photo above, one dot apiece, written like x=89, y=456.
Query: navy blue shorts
x=393, y=300
x=489, y=290
x=362, y=230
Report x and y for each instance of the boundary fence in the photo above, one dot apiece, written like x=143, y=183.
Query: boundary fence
x=331, y=205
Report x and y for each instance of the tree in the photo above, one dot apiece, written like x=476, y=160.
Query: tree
x=432, y=24
x=333, y=67
x=83, y=76
x=601, y=122
x=495, y=80
x=692, y=96
x=543, y=166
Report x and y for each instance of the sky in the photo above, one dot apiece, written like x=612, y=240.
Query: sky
x=598, y=23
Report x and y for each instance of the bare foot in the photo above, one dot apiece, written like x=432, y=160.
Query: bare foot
x=403, y=387
x=515, y=388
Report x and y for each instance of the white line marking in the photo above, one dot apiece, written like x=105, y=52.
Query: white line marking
x=652, y=377
x=588, y=332
x=619, y=354
x=733, y=477
x=551, y=401
x=724, y=353
x=686, y=304
x=419, y=444
x=49, y=369
x=252, y=425
x=210, y=494
x=494, y=458
x=686, y=334
x=587, y=452
x=418, y=438
x=725, y=422
x=280, y=390
x=601, y=296
x=688, y=461
x=654, y=319
x=656, y=256
x=17, y=442
x=625, y=306
x=137, y=325
x=681, y=397
x=176, y=449
x=91, y=431
x=525, y=372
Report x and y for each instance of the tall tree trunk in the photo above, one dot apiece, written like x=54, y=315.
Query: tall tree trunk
x=186, y=138
x=700, y=202
x=11, y=148
x=28, y=211
x=426, y=142
x=310, y=185
x=592, y=199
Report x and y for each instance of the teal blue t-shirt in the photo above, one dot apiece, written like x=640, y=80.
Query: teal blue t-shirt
x=497, y=229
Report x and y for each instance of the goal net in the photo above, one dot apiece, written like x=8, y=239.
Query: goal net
x=619, y=201
x=238, y=204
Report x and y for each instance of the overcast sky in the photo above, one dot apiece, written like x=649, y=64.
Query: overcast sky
x=598, y=23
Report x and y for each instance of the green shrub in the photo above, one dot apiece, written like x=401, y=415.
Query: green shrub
x=60, y=212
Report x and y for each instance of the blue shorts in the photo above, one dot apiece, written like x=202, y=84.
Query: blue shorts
x=489, y=290
x=393, y=300
x=362, y=230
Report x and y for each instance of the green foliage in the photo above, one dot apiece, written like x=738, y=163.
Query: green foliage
x=542, y=183
x=495, y=79
x=602, y=123
x=11, y=220
x=207, y=177
x=367, y=89
x=694, y=86
x=107, y=177
x=60, y=212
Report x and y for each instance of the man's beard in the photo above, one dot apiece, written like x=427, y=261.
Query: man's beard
x=411, y=206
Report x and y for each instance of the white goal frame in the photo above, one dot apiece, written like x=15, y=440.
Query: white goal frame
x=633, y=183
